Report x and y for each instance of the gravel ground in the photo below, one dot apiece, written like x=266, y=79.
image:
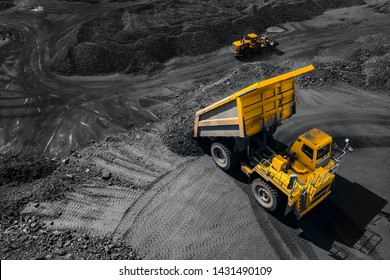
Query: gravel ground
x=29, y=238
x=27, y=182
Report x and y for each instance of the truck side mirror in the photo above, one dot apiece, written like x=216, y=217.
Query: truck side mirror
x=350, y=149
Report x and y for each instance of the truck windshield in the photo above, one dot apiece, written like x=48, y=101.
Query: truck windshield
x=323, y=151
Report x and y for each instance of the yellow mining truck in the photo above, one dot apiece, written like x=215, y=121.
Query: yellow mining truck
x=240, y=129
x=252, y=43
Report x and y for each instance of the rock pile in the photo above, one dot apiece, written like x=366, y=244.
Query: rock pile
x=364, y=63
x=29, y=238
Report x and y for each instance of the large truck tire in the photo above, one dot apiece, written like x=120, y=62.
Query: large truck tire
x=223, y=155
x=266, y=195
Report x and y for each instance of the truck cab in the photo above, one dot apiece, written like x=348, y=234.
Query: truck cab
x=303, y=172
x=312, y=149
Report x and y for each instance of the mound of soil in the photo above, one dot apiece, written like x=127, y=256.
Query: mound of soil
x=364, y=63
x=23, y=180
x=141, y=37
x=16, y=171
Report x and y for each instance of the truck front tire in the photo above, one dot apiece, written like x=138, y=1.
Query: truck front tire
x=265, y=195
x=223, y=155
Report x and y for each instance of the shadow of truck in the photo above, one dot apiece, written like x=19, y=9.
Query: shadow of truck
x=343, y=219
x=338, y=223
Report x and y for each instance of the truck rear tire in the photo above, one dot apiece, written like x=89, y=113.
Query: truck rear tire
x=266, y=195
x=223, y=155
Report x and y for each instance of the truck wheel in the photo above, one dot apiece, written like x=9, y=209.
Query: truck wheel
x=223, y=155
x=265, y=194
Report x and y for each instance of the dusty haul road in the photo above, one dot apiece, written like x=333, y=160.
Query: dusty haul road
x=167, y=206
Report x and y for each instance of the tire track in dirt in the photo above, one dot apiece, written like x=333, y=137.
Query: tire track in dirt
x=191, y=194
x=185, y=216
x=284, y=239
x=92, y=208
x=98, y=207
x=181, y=214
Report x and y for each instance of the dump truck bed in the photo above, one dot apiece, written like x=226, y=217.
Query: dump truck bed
x=250, y=110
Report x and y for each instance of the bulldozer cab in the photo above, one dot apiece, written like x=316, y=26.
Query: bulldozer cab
x=250, y=36
x=312, y=149
x=251, y=43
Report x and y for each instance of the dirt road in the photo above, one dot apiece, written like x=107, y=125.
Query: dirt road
x=167, y=206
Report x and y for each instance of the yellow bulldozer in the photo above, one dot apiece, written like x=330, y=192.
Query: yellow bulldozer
x=252, y=43
x=240, y=130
